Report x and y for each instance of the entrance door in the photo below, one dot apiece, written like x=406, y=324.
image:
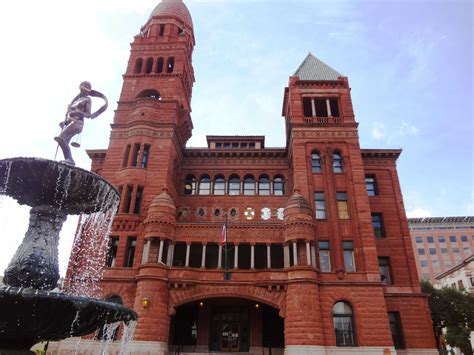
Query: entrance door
x=230, y=336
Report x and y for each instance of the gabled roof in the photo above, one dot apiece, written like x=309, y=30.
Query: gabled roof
x=314, y=69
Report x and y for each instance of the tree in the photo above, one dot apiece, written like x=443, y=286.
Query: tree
x=451, y=309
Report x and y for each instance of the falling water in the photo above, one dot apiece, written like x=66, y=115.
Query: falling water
x=4, y=184
x=128, y=332
x=108, y=332
x=90, y=248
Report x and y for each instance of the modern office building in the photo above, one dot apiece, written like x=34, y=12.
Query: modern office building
x=440, y=243
x=318, y=256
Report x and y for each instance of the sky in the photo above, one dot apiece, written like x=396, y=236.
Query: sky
x=409, y=65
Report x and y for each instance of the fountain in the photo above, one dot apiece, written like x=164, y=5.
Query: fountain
x=30, y=312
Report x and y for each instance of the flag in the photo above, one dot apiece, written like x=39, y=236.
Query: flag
x=224, y=233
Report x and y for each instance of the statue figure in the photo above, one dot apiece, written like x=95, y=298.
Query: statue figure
x=78, y=109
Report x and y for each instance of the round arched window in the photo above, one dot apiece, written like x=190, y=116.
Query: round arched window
x=343, y=319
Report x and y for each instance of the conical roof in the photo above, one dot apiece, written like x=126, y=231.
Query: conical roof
x=173, y=8
x=314, y=69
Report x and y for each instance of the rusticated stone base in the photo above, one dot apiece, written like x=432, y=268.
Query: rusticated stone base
x=334, y=350
x=77, y=346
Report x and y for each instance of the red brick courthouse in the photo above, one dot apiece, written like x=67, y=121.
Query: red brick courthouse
x=319, y=256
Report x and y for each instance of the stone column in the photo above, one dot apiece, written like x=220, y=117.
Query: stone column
x=295, y=253
x=146, y=252
x=252, y=256
x=236, y=256
x=313, y=108
x=328, y=106
x=188, y=249
x=170, y=254
x=300, y=315
x=219, y=258
x=269, y=257
x=313, y=254
x=160, y=251
x=308, y=254
x=286, y=256
x=153, y=323
x=203, y=257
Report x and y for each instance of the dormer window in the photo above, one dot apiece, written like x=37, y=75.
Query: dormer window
x=320, y=107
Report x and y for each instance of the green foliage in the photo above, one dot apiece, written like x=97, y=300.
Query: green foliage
x=459, y=337
x=450, y=309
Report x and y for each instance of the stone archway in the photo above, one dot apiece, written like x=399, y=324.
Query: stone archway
x=274, y=297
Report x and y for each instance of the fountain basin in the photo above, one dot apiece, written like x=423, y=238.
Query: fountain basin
x=29, y=316
x=40, y=182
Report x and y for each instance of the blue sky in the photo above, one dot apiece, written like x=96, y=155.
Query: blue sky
x=409, y=64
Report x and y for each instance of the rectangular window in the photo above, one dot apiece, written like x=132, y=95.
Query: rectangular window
x=146, y=154
x=441, y=239
x=307, y=107
x=348, y=247
x=138, y=200
x=396, y=330
x=444, y=250
x=424, y=263
x=324, y=256
x=342, y=207
x=320, y=205
x=463, y=238
x=430, y=239
x=447, y=263
x=377, y=225
x=130, y=252
x=112, y=253
x=136, y=153
x=162, y=30
x=452, y=238
x=467, y=251
x=432, y=251
x=321, y=107
x=472, y=281
x=334, y=107
x=435, y=264
x=456, y=250
x=126, y=156
x=128, y=199
x=460, y=285
x=371, y=185
x=384, y=268
x=421, y=251
x=419, y=239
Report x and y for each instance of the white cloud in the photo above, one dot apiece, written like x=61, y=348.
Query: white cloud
x=408, y=129
x=378, y=130
x=418, y=212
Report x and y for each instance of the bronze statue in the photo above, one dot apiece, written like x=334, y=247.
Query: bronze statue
x=73, y=123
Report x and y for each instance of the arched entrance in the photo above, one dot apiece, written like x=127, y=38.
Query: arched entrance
x=226, y=325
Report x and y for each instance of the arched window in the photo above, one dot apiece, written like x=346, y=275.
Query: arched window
x=249, y=185
x=315, y=162
x=138, y=66
x=337, y=162
x=264, y=185
x=234, y=185
x=149, y=65
x=205, y=185
x=159, y=65
x=279, y=185
x=219, y=185
x=170, y=65
x=190, y=185
x=343, y=319
x=150, y=93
